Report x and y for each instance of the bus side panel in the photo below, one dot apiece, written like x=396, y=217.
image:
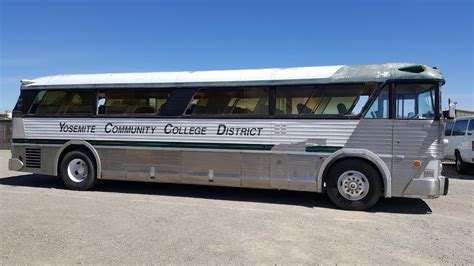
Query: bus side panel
x=35, y=157
x=302, y=170
x=375, y=135
x=162, y=166
x=113, y=161
x=255, y=170
x=414, y=140
x=215, y=168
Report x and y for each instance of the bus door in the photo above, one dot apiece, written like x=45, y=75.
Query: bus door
x=416, y=131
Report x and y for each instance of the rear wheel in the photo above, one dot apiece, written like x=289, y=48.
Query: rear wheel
x=78, y=170
x=461, y=166
x=353, y=184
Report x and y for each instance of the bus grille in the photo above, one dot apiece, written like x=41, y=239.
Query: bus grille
x=33, y=157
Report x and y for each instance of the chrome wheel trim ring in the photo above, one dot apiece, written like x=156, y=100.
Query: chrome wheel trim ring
x=353, y=185
x=77, y=170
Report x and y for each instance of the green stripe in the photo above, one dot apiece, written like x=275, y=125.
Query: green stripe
x=184, y=145
x=226, y=146
x=327, y=149
x=40, y=141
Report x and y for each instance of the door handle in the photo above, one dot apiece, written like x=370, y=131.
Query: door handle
x=400, y=157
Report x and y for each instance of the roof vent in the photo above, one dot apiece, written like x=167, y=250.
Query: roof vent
x=413, y=69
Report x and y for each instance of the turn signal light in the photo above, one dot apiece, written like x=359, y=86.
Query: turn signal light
x=416, y=164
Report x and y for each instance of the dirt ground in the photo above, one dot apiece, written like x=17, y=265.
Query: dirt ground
x=121, y=222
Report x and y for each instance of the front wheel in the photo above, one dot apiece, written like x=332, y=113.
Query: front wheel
x=78, y=171
x=353, y=184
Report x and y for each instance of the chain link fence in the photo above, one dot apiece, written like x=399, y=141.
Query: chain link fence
x=5, y=134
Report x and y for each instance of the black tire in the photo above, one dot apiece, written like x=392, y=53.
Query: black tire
x=461, y=166
x=368, y=198
x=88, y=178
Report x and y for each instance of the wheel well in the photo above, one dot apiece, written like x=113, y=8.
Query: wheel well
x=335, y=162
x=74, y=147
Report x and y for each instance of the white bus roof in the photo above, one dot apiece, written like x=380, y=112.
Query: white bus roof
x=268, y=76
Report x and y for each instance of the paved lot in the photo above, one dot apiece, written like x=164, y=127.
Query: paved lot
x=41, y=222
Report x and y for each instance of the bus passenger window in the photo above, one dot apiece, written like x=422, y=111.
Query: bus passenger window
x=136, y=101
x=101, y=104
x=229, y=101
x=63, y=102
x=341, y=99
x=379, y=108
x=193, y=104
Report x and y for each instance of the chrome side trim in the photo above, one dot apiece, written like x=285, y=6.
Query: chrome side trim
x=363, y=154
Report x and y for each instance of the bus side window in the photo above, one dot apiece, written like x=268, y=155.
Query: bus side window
x=322, y=100
x=63, y=102
x=415, y=101
x=132, y=101
x=101, y=109
x=232, y=101
x=194, y=102
x=379, y=108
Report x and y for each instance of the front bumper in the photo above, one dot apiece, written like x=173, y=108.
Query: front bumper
x=427, y=187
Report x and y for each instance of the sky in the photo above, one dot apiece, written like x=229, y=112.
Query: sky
x=50, y=37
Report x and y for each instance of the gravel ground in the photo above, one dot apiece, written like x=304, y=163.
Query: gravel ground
x=122, y=222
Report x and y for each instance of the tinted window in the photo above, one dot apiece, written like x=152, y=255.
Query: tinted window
x=471, y=125
x=322, y=99
x=415, y=101
x=63, y=102
x=141, y=101
x=229, y=101
x=460, y=128
x=379, y=108
x=448, y=128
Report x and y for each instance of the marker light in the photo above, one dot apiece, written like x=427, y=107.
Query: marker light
x=416, y=164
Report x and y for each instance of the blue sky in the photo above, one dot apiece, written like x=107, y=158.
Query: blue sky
x=39, y=38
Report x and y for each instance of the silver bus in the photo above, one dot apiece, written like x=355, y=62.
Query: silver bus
x=357, y=132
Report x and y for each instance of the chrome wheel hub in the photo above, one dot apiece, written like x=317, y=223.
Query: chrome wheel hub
x=77, y=170
x=353, y=185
